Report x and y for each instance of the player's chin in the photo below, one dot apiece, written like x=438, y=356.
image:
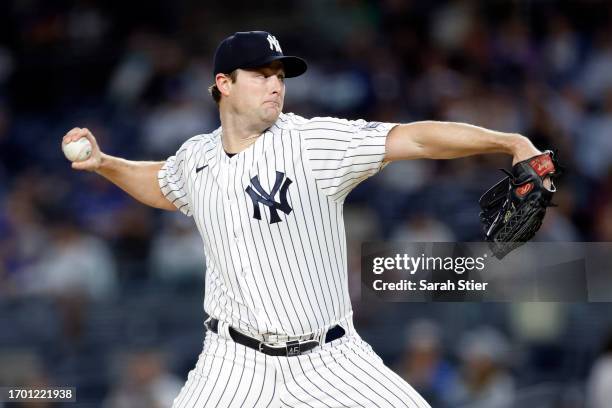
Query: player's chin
x=270, y=113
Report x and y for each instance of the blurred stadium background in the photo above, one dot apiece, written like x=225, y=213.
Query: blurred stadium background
x=101, y=293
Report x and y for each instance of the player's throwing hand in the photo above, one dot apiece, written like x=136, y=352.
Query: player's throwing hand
x=95, y=159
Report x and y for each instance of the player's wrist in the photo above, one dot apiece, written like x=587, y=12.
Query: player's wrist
x=104, y=163
x=521, y=148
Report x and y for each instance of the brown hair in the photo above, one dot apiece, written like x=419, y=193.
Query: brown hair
x=214, y=91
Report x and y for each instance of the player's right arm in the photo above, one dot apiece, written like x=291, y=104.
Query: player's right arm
x=137, y=178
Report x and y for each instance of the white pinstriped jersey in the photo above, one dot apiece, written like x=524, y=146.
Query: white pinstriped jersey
x=271, y=219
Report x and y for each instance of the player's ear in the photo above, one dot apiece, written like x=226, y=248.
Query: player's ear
x=223, y=83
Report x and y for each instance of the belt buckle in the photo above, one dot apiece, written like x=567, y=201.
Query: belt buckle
x=293, y=348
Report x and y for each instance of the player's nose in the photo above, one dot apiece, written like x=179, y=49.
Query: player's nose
x=275, y=84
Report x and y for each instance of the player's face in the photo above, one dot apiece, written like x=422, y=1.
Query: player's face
x=259, y=93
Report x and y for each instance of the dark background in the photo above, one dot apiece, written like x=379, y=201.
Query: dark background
x=101, y=293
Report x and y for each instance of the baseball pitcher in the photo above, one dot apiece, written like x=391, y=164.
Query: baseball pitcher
x=266, y=191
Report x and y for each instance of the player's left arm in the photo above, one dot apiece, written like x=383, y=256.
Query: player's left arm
x=450, y=140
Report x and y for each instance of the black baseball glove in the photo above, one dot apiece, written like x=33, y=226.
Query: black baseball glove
x=513, y=209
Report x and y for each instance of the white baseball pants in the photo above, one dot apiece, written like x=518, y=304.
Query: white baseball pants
x=343, y=373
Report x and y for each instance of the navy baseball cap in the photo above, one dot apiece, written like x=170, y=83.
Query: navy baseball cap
x=252, y=49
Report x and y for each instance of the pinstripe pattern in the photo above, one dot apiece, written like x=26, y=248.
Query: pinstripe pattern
x=344, y=373
x=287, y=277
x=277, y=266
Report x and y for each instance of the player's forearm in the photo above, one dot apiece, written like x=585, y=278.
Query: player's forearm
x=449, y=140
x=137, y=178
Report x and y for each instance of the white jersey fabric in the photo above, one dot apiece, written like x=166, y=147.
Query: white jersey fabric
x=271, y=219
x=273, y=231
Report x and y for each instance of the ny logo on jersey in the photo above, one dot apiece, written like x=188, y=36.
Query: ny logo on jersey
x=259, y=195
x=274, y=45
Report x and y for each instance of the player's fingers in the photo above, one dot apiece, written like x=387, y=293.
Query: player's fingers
x=84, y=133
x=548, y=183
x=88, y=164
x=78, y=133
x=78, y=165
x=68, y=137
x=87, y=133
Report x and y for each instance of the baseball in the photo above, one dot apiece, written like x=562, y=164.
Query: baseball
x=78, y=150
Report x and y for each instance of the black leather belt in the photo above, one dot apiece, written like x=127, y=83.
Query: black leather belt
x=287, y=349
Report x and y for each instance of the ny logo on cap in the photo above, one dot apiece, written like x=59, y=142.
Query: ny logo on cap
x=259, y=195
x=274, y=45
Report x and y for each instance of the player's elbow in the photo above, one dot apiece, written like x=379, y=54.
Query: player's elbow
x=157, y=201
x=164, y=204
x=167, y=208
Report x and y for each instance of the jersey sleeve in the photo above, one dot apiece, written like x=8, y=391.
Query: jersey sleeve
x=172, y=178
x=343, y=153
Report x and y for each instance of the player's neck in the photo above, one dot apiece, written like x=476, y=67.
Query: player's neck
x=238, y=133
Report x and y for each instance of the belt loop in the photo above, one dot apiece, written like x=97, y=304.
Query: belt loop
x=321, y=337
x=207, y=324
x=224, y=330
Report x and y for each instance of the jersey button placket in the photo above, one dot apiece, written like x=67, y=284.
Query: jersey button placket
x=230, y=178
x=244, y=271
x=232, y=224
x=229, y=192
x=242, y=250
x=234, y=190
